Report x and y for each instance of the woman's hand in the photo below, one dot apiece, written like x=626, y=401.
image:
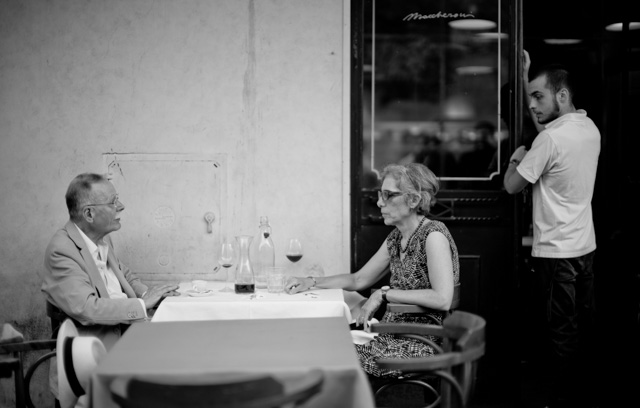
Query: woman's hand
x=368, y=309
x=296, y=285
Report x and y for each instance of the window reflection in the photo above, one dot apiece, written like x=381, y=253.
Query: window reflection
x=431, y=91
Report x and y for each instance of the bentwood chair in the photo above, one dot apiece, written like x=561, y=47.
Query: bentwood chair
x=221, y=390
x=56, y=317
x=12, y=350
x=451, y=372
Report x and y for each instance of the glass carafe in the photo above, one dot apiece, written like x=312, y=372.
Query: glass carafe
x=245, y=281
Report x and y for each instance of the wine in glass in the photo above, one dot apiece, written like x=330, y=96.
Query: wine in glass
x=226, y=259
x=294, y=251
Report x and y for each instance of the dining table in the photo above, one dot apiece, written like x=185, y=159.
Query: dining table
x=274, y=346
x=214, y=304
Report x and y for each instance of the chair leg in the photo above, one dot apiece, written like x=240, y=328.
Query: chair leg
x=19, y=381
x=30, y=372
x=430, y=395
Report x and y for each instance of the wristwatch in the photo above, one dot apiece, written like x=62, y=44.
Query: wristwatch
x=384, y=290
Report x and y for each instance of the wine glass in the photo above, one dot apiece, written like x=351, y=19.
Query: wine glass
x=294, y=251
x=226, y=259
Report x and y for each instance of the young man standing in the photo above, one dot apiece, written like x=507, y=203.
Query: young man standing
x=561, y=166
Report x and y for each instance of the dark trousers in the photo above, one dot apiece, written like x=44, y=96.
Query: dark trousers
x=567, y=286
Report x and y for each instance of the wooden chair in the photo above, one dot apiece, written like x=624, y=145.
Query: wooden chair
x=220, y=390
x=56, y=317
x=454, y=364
x=12, y=362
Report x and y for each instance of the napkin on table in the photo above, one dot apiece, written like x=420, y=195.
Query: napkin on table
x=363, y=337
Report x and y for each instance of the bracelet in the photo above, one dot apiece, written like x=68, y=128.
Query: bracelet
x=314, y=282
x=514, y=161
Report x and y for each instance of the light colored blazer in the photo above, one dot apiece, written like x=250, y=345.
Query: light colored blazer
x=72, y=282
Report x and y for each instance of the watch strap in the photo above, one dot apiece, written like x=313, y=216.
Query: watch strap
x=384, y=290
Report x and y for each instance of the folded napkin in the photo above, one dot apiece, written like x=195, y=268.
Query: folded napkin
x=363, y=337
x=10, y=335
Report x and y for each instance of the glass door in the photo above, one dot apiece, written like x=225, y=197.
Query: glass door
x=435, y=82
x=432, y=77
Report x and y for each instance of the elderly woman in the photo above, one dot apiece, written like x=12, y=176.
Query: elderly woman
x=419, y=252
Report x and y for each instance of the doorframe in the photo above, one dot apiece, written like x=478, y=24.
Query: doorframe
x=349, y=117
x=356, y=36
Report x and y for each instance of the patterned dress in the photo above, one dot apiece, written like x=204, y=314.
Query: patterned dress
x=407, y=274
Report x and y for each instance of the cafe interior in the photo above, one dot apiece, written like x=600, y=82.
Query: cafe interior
x=207, y=115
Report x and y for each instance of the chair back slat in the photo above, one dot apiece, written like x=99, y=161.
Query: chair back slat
x=210, y=391
x=455, y=301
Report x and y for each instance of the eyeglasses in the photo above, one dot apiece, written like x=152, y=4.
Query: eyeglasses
x=385, y=195
x=115, y=202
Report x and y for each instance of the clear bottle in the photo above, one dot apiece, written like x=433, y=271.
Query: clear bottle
x=244, y=282
x=266, y=253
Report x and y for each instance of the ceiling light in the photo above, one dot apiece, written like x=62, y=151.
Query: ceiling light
x=472, y=24
x=458, y=107
x=474, y=70
x=492, y=36
x=634, y=25
x=562, y=41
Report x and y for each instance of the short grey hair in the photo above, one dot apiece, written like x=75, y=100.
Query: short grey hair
x=415, y=179
x=79, y=192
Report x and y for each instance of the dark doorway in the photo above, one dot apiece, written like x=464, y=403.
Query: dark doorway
x=490, y=227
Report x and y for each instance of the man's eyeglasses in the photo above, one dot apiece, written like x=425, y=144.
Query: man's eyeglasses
x=385, y=195
x=115, y=202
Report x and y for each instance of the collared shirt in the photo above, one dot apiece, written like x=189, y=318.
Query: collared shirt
x=562, y=166
x=99, y=254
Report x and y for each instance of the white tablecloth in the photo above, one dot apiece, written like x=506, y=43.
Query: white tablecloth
x=260, y=305
x=270, y=346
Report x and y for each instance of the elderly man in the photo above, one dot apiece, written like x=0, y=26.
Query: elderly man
x=83, y=276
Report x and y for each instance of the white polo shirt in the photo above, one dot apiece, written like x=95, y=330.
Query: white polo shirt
x=561, y=166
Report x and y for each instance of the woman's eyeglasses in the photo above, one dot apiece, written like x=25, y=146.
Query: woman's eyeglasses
x=385, y=195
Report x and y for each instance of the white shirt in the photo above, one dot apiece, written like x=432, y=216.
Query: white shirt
x=99, y=254
x=562, y=166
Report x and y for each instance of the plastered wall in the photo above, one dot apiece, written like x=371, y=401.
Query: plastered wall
x=262, y=81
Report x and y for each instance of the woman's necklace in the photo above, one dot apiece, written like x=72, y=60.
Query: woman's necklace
x=412, y=235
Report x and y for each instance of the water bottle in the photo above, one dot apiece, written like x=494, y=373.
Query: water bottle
x=266, y=253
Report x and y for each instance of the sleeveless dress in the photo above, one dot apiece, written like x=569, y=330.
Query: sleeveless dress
x=407, y=274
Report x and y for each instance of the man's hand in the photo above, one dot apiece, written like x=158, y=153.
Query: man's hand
x=526, y=64
x=157, y=293
x=513, y=181
x=519, y=154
